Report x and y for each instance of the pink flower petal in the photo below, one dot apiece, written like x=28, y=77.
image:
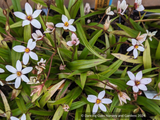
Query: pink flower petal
x=69, y=43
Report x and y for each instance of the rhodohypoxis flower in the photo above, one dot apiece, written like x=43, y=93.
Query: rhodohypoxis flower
x=137, y=82
x=121, y=7
x=50, y=27
x=141, y=38
x=30, y=46
x=37, y=89
x=65, y=107
x=30, y=17
x=38, y=35
x=122, y=97
x=41, y=66
x=22, y=118
x=67, y=24
x=98, y=101
x=74, y=41
x=151, y=34
x=135, y=46
x=107, y=23
x=109, y=12
x=138, y=5
x=33, y=80
x=87, y=8
x=1, y=70
x=18, y=73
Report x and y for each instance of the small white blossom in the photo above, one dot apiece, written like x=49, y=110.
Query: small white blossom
x=41, y=63
x=23, y=117
x=33, y=80
x=109, y=12
x=28, y=51
x=137, y=82
x=122, y=97
x=67, y=24
x=98, y=101
x=121, y=7
x=1, y=70
x=151, y=34
x=30, y=17
x=38, y=35
x=74, y=41
x=138, y=5
x=39, y=6
x=107, y=23
x=18, y=73
x=135, y=46
x=87, y=8
x=50, y=27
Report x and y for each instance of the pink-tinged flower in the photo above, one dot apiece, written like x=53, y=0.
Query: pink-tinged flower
x=141, y=38
x=121, y=7
x=23, y=117
x=37, y=89
x=50, y=27
x=38, y=35
x=18, y=73
x=67, y=24
x=135, y=47
x=65, y=107
x=74, y=41
x=28, y=51
x=107, y=23
x=98, y=101
x=1, y=70
x=122, y=97
x=137, y=82
x=87, y=8
x=30, y=17
x=138, y=5
x=151, y=34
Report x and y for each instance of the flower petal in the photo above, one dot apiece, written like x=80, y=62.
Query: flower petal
x=24, y=78
x=25, y=22
x=19, y=48
x=13, y=118
x=28, y=9
x=27, y=70
x=30, y=41
x=17, y=82
x=39, y=33
x=146, y=80
x=135, y=53
x=95, y=109
x=25, y=58
x=69, y=43
x=134, y=41
x=64, y=18
x=20, y=15
x=101, y=94
x=140, y=8
x=33, y=55
x=131, y=83
x=71, y=21
x=11, y=77
x=139, y=75
x=130, y=48
x=140, y=48
x=36, y=23
x=18, y=65
x=72, y=28
x=1, y=70
x=106, y=101
x=135, y=89
x=32, y=45
x=11, y=69
x=23, y=117
x=142, y=87
x=102, y=107
x=110, y=13
x=92, y=98
x=59, y=25
x=36, y=13
x=131, y=75
x=34, y=35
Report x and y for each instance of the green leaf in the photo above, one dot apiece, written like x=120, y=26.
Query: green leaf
x=158, y=51
x=27, y=32
x=58, y=113
x=77, y=104
x=83, y=78
x=50, y=93
x=60, y=4
x=127, y=58
x=16, y=5
x=107, y=44
x=41, y=112
x=17, y=24
x=21, y=104
x=120, y=33
x=66, y=12
x=83, y=64
x=153, y=10
x=147, y=56
x=136, y=26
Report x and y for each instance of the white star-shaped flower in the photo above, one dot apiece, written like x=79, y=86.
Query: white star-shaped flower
x=38, y=35
x=23, y=117
x=121, y=7
x=98, y=101
x=87, y=8
x=137, y=82
x=138, y=5
x=67, y=24
x=74, y=41
x=18, y=73
x=109, y=12
x=30, y=17
x=30, y=46
x=1, y=70
x=135, y=46
x=151, y=34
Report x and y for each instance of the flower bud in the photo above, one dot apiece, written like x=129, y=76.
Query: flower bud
x=39, y=6
x=107, y=24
